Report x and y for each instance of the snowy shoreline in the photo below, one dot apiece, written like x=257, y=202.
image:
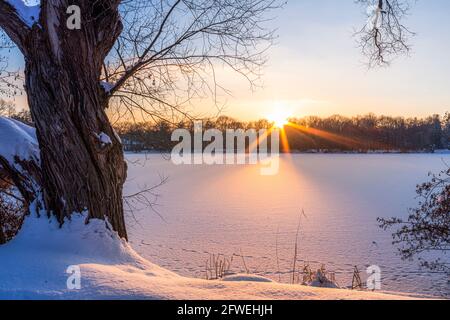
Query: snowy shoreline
x=34, y=266
x=375, y=152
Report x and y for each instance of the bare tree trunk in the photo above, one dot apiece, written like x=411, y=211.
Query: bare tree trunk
x=80, y=170
x=82, y=161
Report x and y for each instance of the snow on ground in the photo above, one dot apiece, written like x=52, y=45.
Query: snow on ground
x=17, y=140
x=342, y=196
x=34, y=264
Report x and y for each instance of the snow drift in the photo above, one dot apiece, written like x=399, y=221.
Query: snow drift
x=34, y=265
x=17, y=140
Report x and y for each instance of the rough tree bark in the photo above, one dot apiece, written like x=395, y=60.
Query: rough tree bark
x=67, y=102
x=62, y=71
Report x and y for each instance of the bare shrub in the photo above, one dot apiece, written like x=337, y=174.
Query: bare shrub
x=323, y=278
x=218, y=267
x=427, y=229
x=356, y=281
x=12, y=210
x=306, y=274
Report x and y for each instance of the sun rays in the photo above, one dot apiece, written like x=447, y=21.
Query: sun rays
x=281, y=123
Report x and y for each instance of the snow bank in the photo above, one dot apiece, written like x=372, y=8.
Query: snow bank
x=17, y=140
x=27, y=10
x=443, y=151
x=34, y=264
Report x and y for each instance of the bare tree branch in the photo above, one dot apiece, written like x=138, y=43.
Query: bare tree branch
x=384, y=36
x=12, y=24
x=169, y=49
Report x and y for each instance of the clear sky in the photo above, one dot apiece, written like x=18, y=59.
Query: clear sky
x=315, y=67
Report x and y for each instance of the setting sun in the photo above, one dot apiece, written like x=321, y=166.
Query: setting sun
x=279, y=120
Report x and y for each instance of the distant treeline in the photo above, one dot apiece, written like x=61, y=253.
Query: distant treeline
x=309, y=134
x=313, y=134
x=370, y=133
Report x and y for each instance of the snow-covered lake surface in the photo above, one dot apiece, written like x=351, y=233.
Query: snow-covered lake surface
x=233, y=209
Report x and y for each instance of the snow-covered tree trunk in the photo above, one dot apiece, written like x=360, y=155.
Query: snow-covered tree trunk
x=82, y=162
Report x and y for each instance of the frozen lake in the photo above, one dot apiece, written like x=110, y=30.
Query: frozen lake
x=233, y=210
